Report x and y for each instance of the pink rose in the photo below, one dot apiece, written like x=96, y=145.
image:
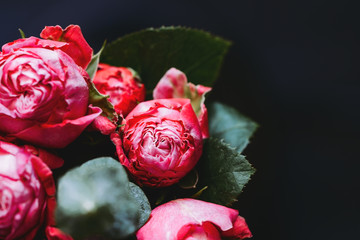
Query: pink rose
x=174, y=84
x=190, y=219
x=122, y=85
x=27, y=193
x=161, y=141
x=43, y=93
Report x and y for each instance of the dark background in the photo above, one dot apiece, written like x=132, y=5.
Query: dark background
x=293, y=68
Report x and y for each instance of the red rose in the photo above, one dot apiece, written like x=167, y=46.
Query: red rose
x=122, y=85
x=77, y=48
x=161, y=141
x=190, y=219
x=174, y=84
x=43, y=93
x=27, y=193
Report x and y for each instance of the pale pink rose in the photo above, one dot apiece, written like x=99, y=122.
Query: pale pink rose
x=160, y=142
x=43, y=93
x=190, y=219
x=174, y=84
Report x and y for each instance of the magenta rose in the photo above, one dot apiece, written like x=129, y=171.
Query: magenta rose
x=27, y=193
x=190, y=219
x=174, y=84
x=160, y=142
x=43, y=93
x=122, y=85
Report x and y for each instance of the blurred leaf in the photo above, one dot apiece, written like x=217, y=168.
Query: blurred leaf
x=228, y=124
x=95, y=201
x=140, y=197
x=152, y=52
x=224, y=171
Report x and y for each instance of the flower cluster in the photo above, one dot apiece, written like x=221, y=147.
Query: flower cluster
x=48, y=99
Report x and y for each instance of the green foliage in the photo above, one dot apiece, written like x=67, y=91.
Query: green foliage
x=101, y=101
x=97, y=200
x=152, y=52
x=228, y=124
x=93, y=65
x=224, y=171
x=95, y=97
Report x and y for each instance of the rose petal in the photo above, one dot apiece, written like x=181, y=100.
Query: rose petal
x=103, y=125
x=78, y=48
x=177, y=218
x=57, y=135
x=53, y=233
x=51, y=160
x=32, y=42
x=174, y=84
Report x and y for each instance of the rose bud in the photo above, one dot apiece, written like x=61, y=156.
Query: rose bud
x=27, y=193
x=174, y=84
x=43, y=93
x=161, y=141
x=187, y=219
x=122, y=85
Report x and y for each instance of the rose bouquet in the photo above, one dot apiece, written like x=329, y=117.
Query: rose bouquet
x=120, y=144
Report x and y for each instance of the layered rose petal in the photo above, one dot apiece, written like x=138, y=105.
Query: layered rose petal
x=56, y=135
x=27, y=193
x=174, y=84
x=43, y=94
x=77, y=47
x=161, y=141
x=185, y=219
x=32, y=42
x=121, y=85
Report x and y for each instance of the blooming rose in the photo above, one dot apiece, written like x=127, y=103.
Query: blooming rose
x=190, y=219
x=174, y=84
x=161, y=141
x=122, y=85
x=43, y=93
x=27, y=192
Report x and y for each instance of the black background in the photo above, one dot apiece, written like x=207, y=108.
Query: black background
x=293, y=68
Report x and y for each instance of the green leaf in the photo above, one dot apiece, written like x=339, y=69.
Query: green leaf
x=152, y=52
x=224, y=171
x=22, y=33
x=228, y=124
x=93, y=65
x=95, y=97
x=101, y=101
x=96, y=199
